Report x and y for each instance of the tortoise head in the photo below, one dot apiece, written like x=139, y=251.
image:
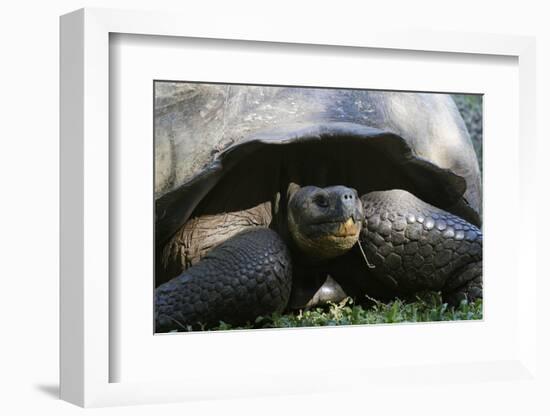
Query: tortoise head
x=324, y=222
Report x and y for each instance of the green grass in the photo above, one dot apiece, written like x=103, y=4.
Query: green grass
x=427, y=307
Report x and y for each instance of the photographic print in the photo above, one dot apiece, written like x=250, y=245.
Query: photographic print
x=280, y=207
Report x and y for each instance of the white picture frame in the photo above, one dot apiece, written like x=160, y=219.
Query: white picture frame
x=86, y=355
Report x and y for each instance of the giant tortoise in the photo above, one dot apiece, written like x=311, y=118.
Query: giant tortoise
x=274, y=198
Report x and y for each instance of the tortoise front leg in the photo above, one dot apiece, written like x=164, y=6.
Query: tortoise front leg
x=246, y=276
x=416, y=246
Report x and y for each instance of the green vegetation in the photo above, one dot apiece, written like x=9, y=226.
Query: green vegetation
x=470, y=107
x=428, y=307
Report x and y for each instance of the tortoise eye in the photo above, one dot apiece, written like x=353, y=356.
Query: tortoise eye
x=320, y=200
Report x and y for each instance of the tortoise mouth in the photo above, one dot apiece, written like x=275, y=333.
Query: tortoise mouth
x=337, y=229
x=327, y=241
x=347, y=229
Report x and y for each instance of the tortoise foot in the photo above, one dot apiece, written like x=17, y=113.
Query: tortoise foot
x=246, y=276
x=471, y=290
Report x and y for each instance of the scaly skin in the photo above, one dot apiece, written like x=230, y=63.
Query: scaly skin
x=416, y=246
x=247, y=276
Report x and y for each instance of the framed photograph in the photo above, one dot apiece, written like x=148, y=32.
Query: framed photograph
x=237, y=210
x=282, y=207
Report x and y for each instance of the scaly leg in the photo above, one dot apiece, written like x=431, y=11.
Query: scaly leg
x=246, y=276
x=416, y=246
